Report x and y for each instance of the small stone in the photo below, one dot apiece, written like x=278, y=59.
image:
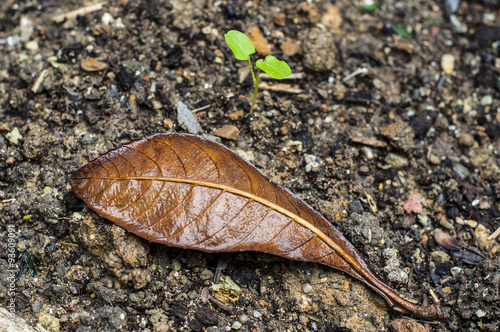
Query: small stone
x=367, y=152
x=461, y=171
x=186, y=119
x=312, y=162
x=396, y=160
x=487, y=100
x=480, y=313
x=405, y=324
x=319, y=50
x=243, y=73
x=91, y=64
x=107, y=19
x=332, y=18
x=257, y=314
x=237, y=115
x=226, y=290
x=290, y=48
x=167, y=123
x=307, y=288
x=447, y=291
x=280, y=19
x=482, y=235
x=14, y=136
x=206, y=274
x=447, y=224
x=236, y=325
x=259, y=41
x=228, y=132
x=423, y=219
x=448, y=63
x=413, y=204
x=400, y=134
x=32, y=45
x=471, y=223
x=243, y=319
x=47, y=190
x=10, y=160
x=440, y=256
x=434, y=159
x=466, y=139
x=355, y=206
x=50, y=323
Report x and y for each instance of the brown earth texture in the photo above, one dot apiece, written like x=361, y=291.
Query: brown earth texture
x=389, y=126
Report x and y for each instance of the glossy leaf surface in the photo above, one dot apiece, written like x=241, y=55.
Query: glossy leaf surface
x=240, y=44
x=274, y=67
x=190, y=192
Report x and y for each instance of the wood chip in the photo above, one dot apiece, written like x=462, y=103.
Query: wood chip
x=494, y=235
x=280, y=87
x=79, y=12
x=91, y=64
x=259, y=41
x=368, y=141
x=294, y=76
x=39, y=81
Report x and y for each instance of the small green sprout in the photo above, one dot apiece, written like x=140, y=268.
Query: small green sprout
x=369, y=8
x=242, y=48
x=27, y=217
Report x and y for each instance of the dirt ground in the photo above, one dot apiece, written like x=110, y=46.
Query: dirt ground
x=389, y=126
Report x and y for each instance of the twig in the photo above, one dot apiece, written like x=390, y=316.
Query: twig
x=294, y=76
x=280, y=87
x=39, y=81
x=434, y=296
x=494, y=234
x=359, y=71
x=201, y=108
x=79, y=12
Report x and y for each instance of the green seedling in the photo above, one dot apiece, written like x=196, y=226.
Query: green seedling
x=242, y=48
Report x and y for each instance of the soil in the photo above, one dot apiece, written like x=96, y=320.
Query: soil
x=390, y=128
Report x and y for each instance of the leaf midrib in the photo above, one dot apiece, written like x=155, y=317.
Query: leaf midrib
x=253, y=197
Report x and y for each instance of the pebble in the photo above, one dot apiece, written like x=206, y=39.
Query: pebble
x=471, y=223
x=461, y=171
x=455, y=270
x=400, y=134
x=318, y=50
x=236, y=325
x=243, y=319
x=440, y=256
x=487, y=100
x=186, y=119
x=229, y=11
x=280, y=19
x=14, y=136
x=257, y=314
x=480, y=313
x=10, y=160
x=228, y=132
x=312, y=162
x=367, y=152
x=307, y=288
x=452, y=5
x=290, y=48
x=466, y=139
x=396, y=161
x=355, y=206
x=91, y=64
x=258, y=40
x=448, y=63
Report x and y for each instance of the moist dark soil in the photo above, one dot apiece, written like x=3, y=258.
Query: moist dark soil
x=389, y=126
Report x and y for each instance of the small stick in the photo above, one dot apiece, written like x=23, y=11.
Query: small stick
x=79, y=12
x=201, y=108
x=39, y=81
x=359, y=71
x=436, y=300
x=494, y=234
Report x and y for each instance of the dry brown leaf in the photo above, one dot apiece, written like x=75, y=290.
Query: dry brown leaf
x=187, y=191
